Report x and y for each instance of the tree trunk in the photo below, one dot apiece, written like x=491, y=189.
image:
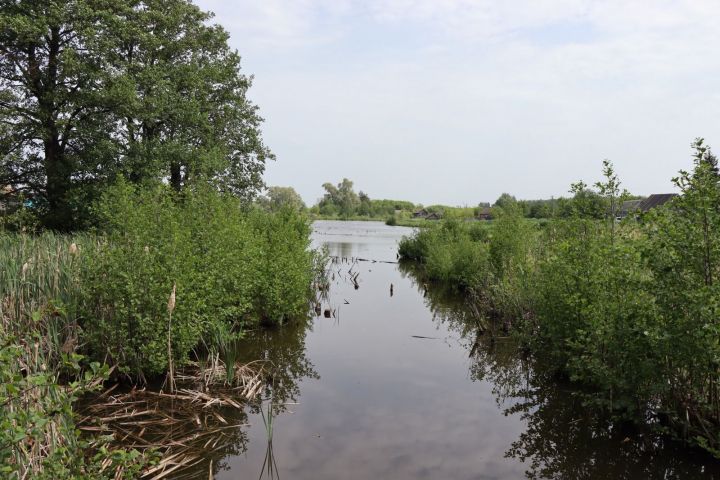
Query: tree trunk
x=57, y=170
x=59, y=215
x=175, y=176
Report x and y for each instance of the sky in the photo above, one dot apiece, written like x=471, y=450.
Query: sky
x=458, y=101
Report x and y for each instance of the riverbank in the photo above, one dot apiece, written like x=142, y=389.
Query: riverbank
x=161, y=285
x=621, y=309
x=361, y=388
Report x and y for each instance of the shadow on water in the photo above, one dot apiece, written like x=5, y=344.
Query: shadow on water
x=563, y=439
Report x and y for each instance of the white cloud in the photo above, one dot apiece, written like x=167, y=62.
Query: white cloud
x=457, y=100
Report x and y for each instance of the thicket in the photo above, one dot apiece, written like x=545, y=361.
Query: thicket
x=232, y=269
x=627, y=309
x=69, y=304
x=41, y=375
x=125, y=121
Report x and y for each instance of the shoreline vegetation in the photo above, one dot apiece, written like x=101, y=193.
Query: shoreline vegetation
x=138, y=243
x=135, y=245
x=79, y=310
x=626, y=310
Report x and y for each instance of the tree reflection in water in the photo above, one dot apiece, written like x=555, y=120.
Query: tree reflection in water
x=286, y=365
x=283, y=350
x=563, y=439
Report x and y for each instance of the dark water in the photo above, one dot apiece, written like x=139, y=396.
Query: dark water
x=360, y=396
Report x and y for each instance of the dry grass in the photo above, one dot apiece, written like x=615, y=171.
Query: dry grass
x=181, y=426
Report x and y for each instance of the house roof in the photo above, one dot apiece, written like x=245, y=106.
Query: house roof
x=629, y=205
x=655, y=200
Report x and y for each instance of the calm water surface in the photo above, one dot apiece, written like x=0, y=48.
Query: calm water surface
x=361, y=395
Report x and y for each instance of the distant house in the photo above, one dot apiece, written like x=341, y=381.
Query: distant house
x=634, y=207
x=628, y=207
x=655, y=200
x=433, y=216
x=422, y=213
x=485, y=213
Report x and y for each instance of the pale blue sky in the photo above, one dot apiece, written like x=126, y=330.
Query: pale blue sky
x=457, y=101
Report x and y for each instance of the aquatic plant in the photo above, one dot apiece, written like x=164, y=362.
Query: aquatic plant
x=626, y=309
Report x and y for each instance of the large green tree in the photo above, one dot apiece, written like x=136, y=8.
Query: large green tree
x=183, y=114
x=278, y=198
x=50, y=100
x=92, y=89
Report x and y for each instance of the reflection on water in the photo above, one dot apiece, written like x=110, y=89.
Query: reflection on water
x=285, y=356
x=562, y=438
x=402, y=381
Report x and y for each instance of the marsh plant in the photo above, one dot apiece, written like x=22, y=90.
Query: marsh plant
x=626, y=309
x=76, y=309
x=41, y=374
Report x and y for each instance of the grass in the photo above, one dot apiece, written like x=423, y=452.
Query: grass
x=41, y=375
x=45, y=325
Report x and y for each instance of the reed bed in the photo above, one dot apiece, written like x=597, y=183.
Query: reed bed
x=38, y=335
x=39, y=284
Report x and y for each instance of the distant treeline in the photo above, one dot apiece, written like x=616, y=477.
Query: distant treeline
x=341, y=201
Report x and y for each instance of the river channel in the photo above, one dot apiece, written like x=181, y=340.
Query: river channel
x=392, y=380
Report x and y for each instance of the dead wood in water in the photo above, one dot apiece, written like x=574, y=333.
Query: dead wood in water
x=203, y=414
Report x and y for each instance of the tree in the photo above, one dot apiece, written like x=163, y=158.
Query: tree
x=609, y=191
x=683, y=254
x=93, y=89
x=341, y=199
x=183, y=113
x=365, y=208
x=278, y=198
x=505, y=200
x=50, y=99
x=586, y=203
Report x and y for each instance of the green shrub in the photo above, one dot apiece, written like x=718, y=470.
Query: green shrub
x=231, y=268
x=628, y=310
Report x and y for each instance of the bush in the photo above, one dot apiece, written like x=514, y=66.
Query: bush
x=628, y=310
x=231, y=269
x=450, y=251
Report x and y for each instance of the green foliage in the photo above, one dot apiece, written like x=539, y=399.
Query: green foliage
x=232, y=269
x=38, y=438
x=342, y=202
x=450, y=251
x=628, y=310
x=683, y=256
x=339, y=200
x=40, y=373
x=278, y=198
x=96, y=90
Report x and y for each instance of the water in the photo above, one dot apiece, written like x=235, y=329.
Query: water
x=402, y=386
